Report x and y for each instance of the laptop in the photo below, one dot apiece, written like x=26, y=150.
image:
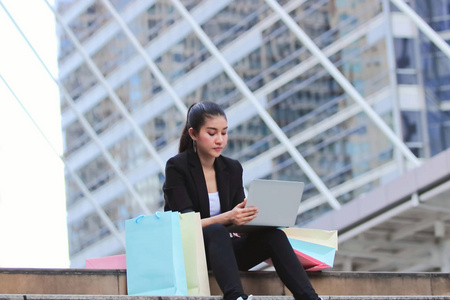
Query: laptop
x=277, y=202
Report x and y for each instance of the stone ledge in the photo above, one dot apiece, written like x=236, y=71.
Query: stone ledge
x=113, y=282
x=116, y=297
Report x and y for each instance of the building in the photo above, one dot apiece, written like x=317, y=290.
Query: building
x=129, y=70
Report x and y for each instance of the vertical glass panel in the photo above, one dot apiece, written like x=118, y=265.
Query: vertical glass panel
x=404, y=53
x=438, y=126
x=412, y=131
x=405, y=61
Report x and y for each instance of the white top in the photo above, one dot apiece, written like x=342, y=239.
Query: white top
x=214, y=204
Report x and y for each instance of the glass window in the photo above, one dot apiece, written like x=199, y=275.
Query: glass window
x=404, y=53
x=411, y=126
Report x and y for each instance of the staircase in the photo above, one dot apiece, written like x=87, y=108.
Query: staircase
x=116, y=297
x=82, y=284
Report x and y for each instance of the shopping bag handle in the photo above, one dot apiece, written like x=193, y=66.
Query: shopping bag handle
x=157, y=215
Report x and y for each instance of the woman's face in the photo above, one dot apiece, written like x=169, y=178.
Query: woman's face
x=212, y=138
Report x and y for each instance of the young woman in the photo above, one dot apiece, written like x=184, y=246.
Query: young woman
x=200, y=179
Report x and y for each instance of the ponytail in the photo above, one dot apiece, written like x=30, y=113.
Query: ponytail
x=185, y=141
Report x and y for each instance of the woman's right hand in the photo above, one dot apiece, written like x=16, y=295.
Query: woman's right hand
x=241, y=215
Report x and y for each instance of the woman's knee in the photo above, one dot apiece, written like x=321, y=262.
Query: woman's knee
x=215, y=231
x=276, y=236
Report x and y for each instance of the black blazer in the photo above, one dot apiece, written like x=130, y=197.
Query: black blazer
x=185, y=186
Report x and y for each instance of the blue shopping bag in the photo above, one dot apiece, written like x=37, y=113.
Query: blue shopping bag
x=154, y=251
x=313, y=257
x=314, y=248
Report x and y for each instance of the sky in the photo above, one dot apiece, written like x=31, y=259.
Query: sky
x=33, y=231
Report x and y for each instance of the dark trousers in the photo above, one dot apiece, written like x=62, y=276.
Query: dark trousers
x=227, y=256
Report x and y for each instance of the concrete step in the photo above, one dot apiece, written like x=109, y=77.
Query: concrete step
x=96, y=297
x=113, y=282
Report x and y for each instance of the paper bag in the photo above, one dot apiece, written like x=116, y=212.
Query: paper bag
x=194, y=255
x=154, y=252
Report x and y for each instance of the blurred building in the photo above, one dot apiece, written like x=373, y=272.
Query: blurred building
x=121, y=119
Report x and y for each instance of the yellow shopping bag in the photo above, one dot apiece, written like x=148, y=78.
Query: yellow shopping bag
x=194, y=254
x=327, y=238
x=315, y=248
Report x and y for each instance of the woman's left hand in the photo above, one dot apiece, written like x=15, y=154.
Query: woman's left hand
x=241, y=215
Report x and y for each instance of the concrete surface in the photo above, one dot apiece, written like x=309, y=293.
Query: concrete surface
x=113, y=282
x=89, y=297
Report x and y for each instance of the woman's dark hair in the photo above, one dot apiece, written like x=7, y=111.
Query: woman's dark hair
x=196, y=118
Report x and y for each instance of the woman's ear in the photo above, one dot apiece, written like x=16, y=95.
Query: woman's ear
x=192, y=133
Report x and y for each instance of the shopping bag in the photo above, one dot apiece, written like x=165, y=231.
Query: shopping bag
x=155, y=261
x=194, y=255
x=315, y=248
x=318, y=236
x=107, y=262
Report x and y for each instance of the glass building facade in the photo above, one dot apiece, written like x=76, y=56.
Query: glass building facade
x=121, y=120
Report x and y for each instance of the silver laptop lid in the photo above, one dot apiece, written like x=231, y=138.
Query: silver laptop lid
x=277, y=202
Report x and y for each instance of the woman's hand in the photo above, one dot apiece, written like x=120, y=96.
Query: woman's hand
x=241, y=215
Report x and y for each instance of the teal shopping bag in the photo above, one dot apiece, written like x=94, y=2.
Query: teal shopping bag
x=313, y=257
x=154, y=251
x=314, y=248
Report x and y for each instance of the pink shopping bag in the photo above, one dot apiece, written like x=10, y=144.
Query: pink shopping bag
x=107, y=262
